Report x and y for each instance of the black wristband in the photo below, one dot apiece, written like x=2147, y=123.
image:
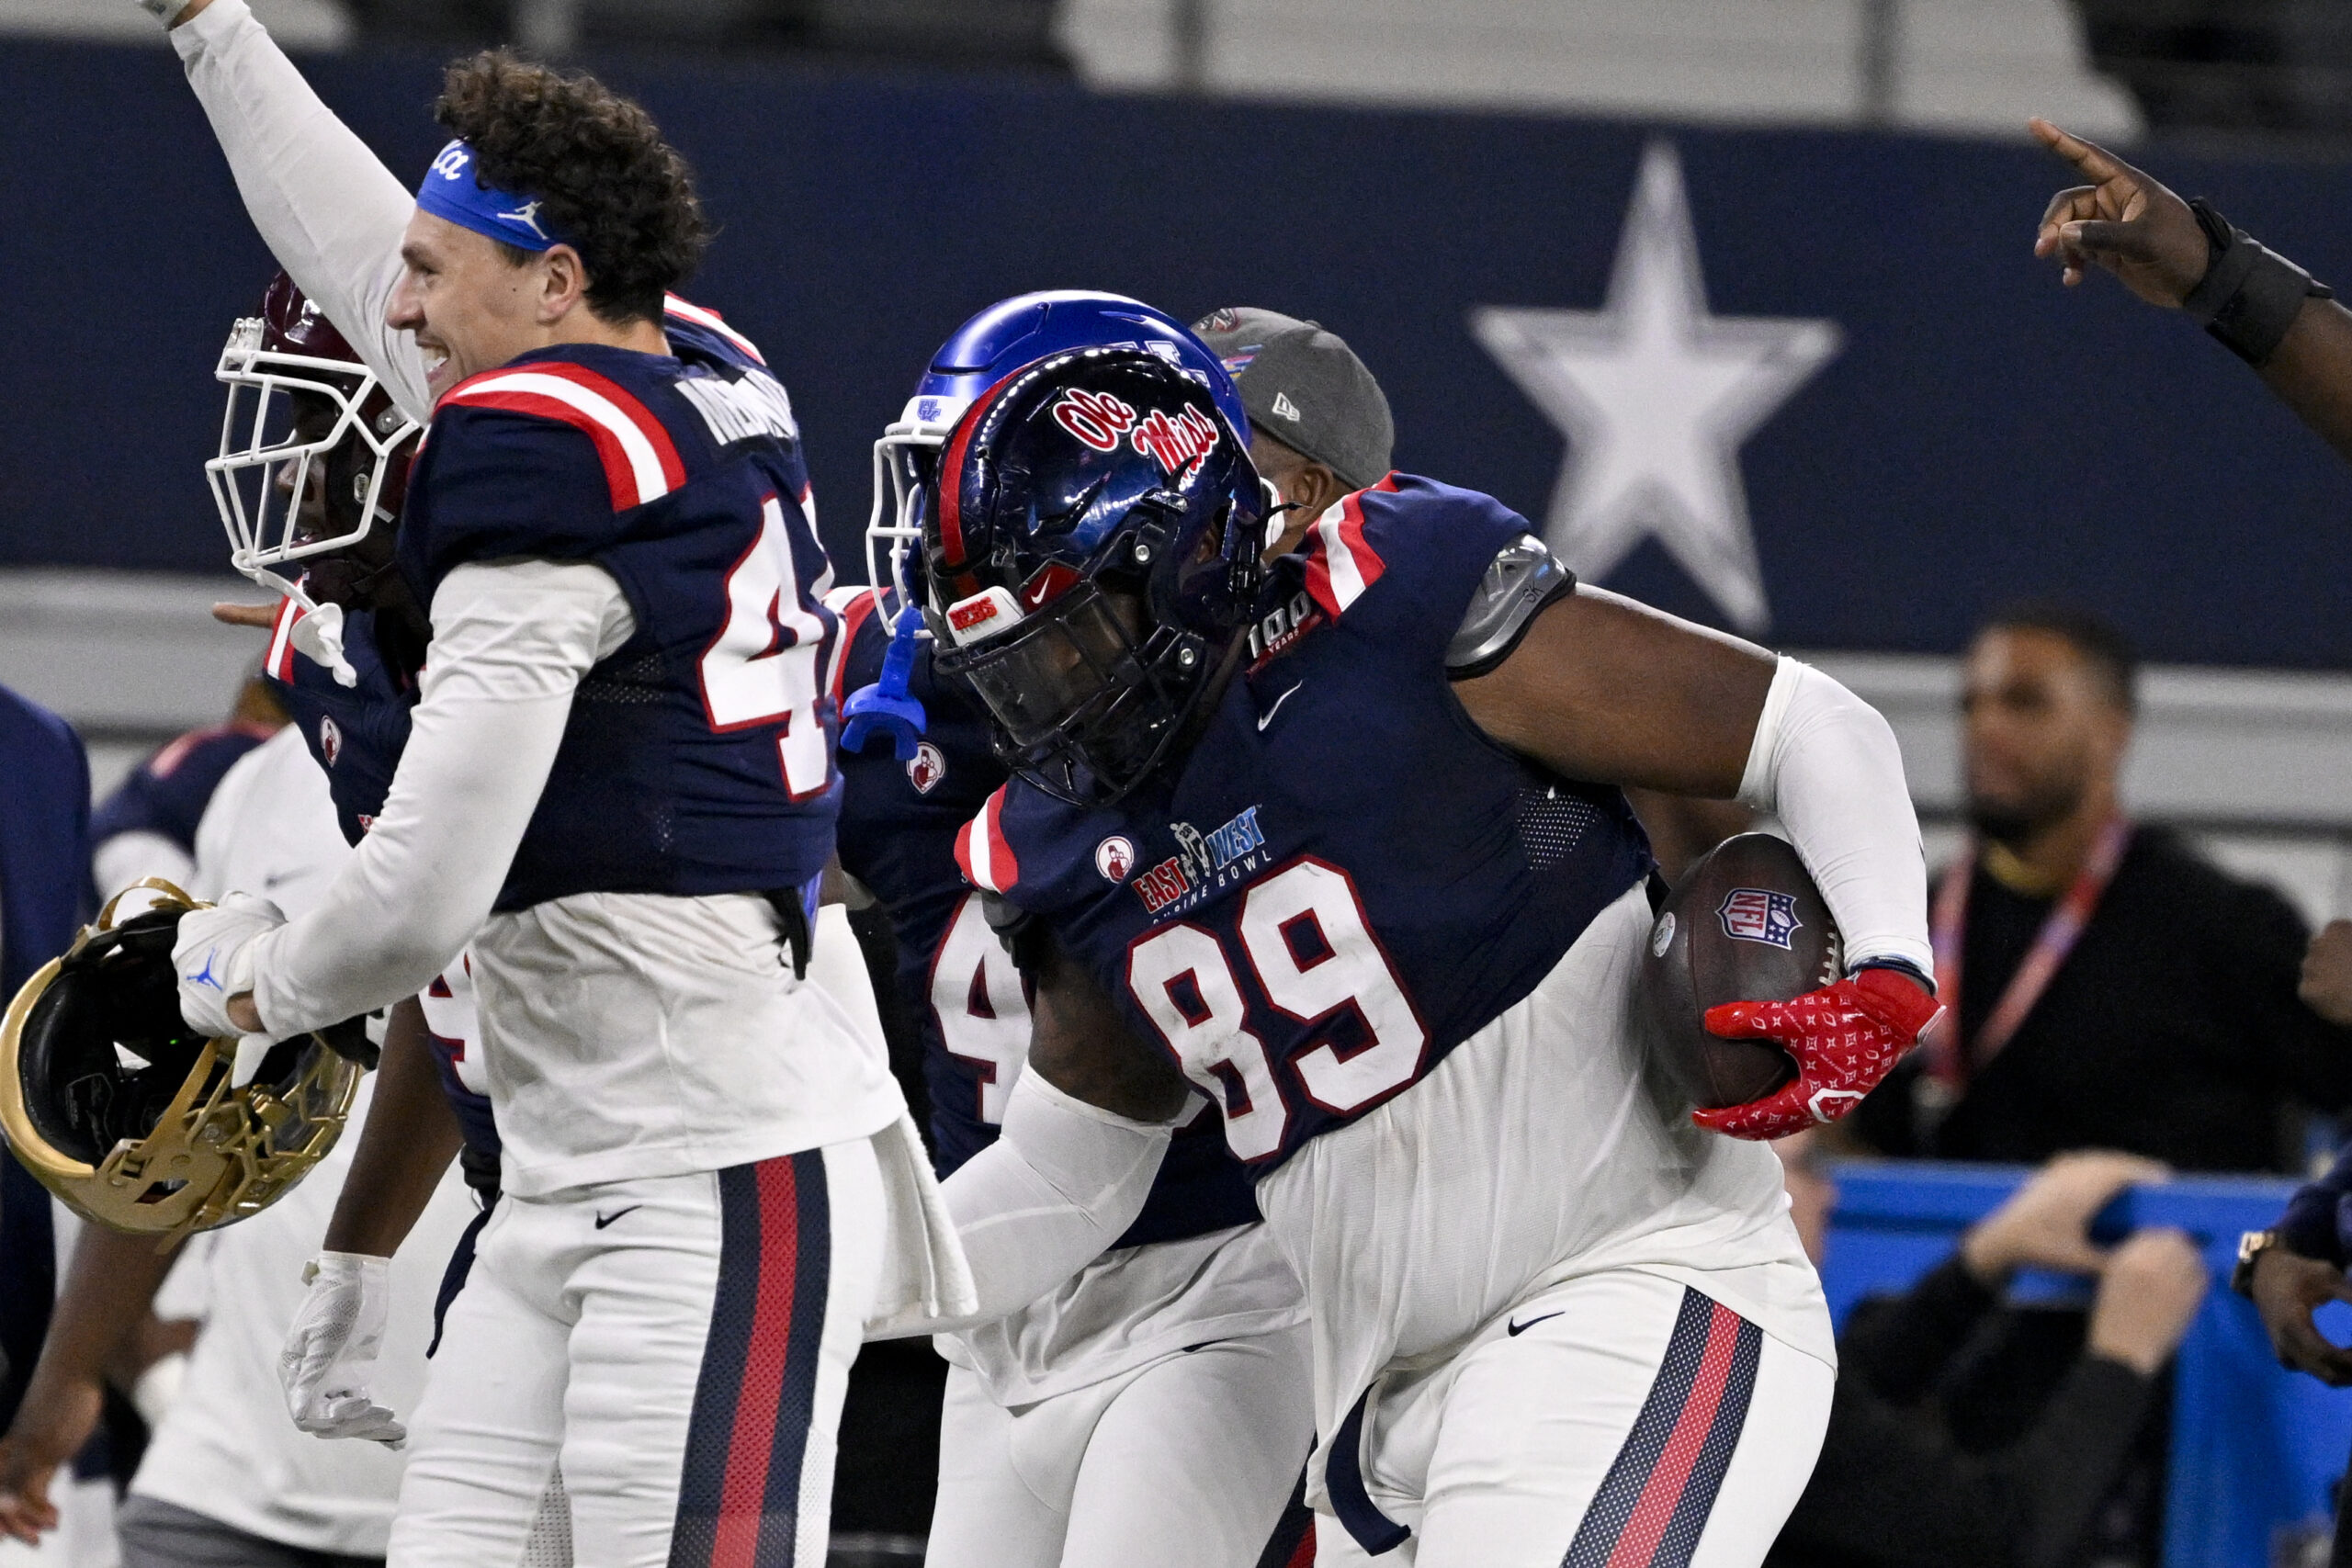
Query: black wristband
x=2250, y=295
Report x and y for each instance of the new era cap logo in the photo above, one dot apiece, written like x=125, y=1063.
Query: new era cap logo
x=1285, y=406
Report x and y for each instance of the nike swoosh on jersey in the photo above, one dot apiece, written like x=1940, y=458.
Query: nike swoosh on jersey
x=1515, y=1328
x=604, y=1220
x=1267, y=718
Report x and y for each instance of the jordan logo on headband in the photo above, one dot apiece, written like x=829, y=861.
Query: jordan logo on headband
x=528, y=213
x=448, y=193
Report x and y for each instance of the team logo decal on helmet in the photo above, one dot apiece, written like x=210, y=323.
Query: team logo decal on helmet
x=1001, y=340
x=1087, y=590
x=134, y=1119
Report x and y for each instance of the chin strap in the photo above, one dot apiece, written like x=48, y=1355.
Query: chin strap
x=317, y=629
x=886, y=707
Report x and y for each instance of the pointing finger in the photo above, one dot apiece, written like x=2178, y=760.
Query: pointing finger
x=2092, y=159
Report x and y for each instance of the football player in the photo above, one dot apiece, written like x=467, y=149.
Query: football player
x=1340, y=846
x=1152, y=1409
x=619, y=746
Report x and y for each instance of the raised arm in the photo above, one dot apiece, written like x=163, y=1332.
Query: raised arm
x=2300, y=342
x=325, y=205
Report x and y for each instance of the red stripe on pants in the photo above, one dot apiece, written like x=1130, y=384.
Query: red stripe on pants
x=1654, y=1509
x=743, y=1501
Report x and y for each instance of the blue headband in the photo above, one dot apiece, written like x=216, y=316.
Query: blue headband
x=450, y=190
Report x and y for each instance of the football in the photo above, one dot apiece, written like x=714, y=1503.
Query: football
x=1746, y=924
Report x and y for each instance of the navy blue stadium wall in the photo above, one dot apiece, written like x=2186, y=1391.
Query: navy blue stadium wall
x=1979, y=434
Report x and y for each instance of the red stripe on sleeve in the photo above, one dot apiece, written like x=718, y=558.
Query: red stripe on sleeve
x=281, y=640
x=963, y=853
x=621, y=478
x=1368, y=564
x=854, y=615
x=1006, y=869
x=657, y=434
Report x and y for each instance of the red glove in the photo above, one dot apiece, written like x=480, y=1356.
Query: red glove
x=1845, y=1038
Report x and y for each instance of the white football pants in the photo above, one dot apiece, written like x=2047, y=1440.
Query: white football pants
x=1183, y=1463
x=1621, y=1420
x=681, y=1343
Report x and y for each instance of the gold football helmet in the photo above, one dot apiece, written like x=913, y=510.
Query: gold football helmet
x=128, y=1114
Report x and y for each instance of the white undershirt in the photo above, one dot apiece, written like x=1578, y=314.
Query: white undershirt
x=329, y=210
x=510, y=644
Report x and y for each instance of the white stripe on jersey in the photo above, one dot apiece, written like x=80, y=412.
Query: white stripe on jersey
x=645, y=464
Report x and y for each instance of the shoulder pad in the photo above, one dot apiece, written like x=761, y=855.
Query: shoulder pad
x=640, y=461
x=1519, y=581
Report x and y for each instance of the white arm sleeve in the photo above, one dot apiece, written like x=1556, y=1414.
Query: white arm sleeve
x=1826, y=764
x=510, y=644
x=327, y=207
x=1058, y=1186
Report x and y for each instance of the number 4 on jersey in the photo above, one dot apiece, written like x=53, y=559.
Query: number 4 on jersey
x=982, y=1008
x=762, y=667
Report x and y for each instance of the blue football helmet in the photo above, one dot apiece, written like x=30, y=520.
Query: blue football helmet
x=985, y=350
x=1090, y=556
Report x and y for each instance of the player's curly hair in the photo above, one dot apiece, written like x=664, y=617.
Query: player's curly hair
x=622, y=196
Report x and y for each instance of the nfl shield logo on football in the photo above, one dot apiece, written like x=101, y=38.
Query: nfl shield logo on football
x=1115, y=857
x=330, y=740
x=1758, y=914
x=926, y=767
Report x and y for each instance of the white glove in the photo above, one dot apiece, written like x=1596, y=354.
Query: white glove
x=331, y=1350
x=212, y=955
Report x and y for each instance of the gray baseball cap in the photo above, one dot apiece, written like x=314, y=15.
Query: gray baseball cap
x=1305, y=387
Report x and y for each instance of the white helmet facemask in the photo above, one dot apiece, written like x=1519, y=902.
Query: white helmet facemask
x=903, y=458
x=287, y=414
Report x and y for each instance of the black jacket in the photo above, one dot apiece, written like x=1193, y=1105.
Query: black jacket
x=1965, y=1436
x=2173, y=1028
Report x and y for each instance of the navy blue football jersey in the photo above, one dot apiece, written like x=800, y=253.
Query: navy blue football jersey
x=356, y=734
x=168, y=792
x=898, y=825
x=698, y=757
x=1343, y=879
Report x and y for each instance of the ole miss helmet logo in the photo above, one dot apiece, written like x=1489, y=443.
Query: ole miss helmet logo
x=1758, y=914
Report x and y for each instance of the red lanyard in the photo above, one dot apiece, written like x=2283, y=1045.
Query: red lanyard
x=1954, y=1057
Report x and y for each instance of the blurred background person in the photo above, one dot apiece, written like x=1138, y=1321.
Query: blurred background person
x=147, y=826
x=44, y=882
x=226, y=1480
x=1946, y=1448
x=2113, y=988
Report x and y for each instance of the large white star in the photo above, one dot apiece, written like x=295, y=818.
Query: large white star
x=1655, y=396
